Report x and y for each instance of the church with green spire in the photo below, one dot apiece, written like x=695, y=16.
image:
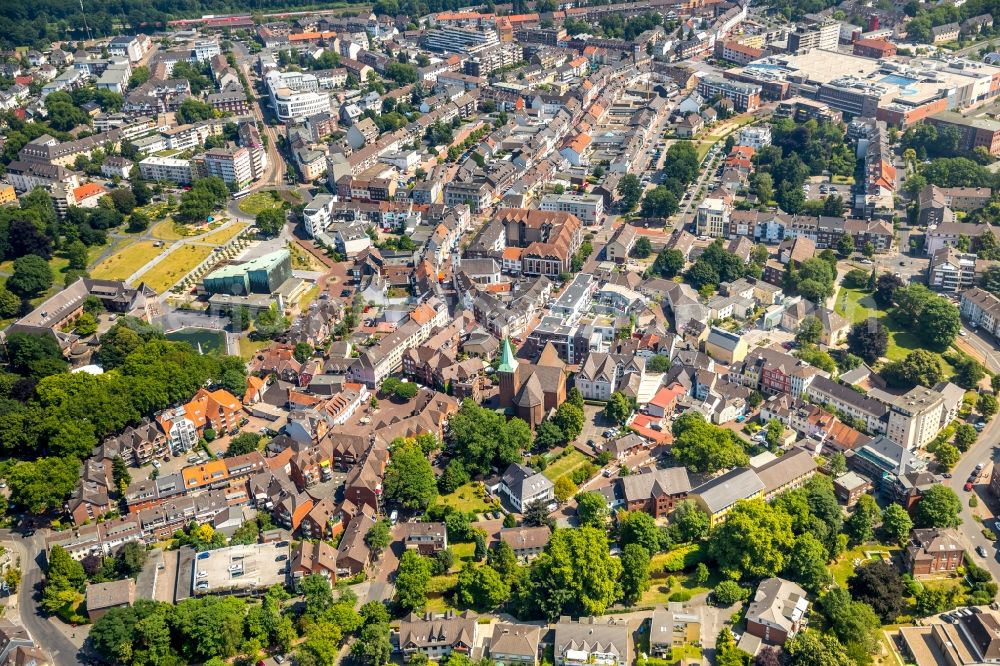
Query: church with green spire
x=531, y=390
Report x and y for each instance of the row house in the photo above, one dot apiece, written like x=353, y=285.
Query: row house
x=160, y=522
x=873, y=413
x=770, y=371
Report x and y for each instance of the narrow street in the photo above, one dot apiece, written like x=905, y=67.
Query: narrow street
x=43, y=630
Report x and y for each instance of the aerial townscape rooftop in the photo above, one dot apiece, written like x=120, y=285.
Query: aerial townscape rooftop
x=524, y=334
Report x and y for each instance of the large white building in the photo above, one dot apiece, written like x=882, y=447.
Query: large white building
x=588, y=207
x=133, y=47
x=915, y=417
x=290, y=105
x=712, y=218
x=317, y=214
x=206, y=50
x=166, y=168
x=232, y=165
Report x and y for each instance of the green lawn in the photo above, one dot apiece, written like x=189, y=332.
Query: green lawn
x=260, y=201
x=845, y=566
x=466, y=498
x=565, y=465
x=858, y=305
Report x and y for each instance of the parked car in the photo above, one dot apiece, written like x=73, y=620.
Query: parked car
x=968, y=486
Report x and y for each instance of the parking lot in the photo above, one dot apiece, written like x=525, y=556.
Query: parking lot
x=249, y=567
x=821, y=189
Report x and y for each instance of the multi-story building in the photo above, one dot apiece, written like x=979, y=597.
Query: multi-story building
x=982, y=310
x=588, y=207
x=458, y=40
x=777, y=611
x=856, y=405
x=718, y=496
x=915, y=417
x=973, y=131
x=232, y=165
x=744, y=96
x=593, y=640
x=166, y=168
x=712, y=218
x=476, y=193
x=814, y=34
x=951, y=270
x=874, y=48
x=934, y=552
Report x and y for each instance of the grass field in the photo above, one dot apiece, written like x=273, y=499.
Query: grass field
x=260, y=201
x=169, y=230
x=250, y=347
x=466, y=499
x=122, y=264
x=659, y=592
x=223, y=236
x=565, y=465
x=176, y=265
x=857, y=305
x=303, y=260
x=845, y=566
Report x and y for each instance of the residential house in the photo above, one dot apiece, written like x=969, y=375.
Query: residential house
x=314, y=557
x=672, y=627
x=657, y=492
x=777, y=611
x=934, y=552
x=602, y=640
x=523, y=486
x=526, y=542
x=515, y=644
x=102, y=597
x=438, y=636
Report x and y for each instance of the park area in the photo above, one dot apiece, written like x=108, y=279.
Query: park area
x=858, y=305
x=121, y=265
x=259, y=201
x=173, y=267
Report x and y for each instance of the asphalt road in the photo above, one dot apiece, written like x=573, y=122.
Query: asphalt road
x=983, y=451
x=42, y=630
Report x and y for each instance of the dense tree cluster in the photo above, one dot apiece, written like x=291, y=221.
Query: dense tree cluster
x=481, y=439
x=703, y=447
x=45, y=411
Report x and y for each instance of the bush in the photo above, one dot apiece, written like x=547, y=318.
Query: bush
x=680, y=595
x=729, y=592
x=682, y=558
x=989, y=535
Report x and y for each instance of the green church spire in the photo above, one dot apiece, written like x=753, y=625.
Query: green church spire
x=508, y=363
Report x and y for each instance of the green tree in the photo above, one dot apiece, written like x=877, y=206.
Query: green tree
x=854, y=623
x=31, y=276
x=630, y=190
x=810, y=331
x=64, y=580
x=378, y=536
x=861, y=525
x=132, y=557
x=411, y=581
x=896, y=523
x=638, y=527
x=755, y=540
x=409, y=477
x=987, y=405
x=729, y=592
x=703, y=447
x=919, y=367
x=692, y=523
x=569, y=419
x=591, y=510
x=481, y=587
x=946, y=456
x=669, y=263
x=373, y=646
x=42, y=485
x=482, y=439
x=938, y=507
x=575, y=575
x=845, y=245
x=807, y=563
x=635, y=572
x=618, y=408
x=965, y=436
x=243, y=443
x=812, y=648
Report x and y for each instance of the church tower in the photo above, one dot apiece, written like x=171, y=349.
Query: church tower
x=509, y=374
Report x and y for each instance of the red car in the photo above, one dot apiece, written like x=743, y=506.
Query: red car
x=968, y=485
